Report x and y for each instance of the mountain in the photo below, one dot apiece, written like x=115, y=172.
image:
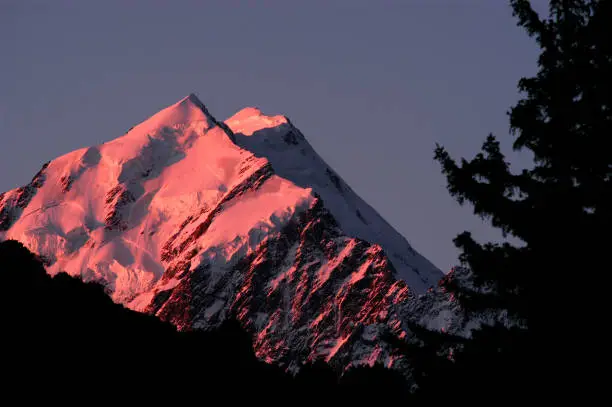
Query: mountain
x=195, y=220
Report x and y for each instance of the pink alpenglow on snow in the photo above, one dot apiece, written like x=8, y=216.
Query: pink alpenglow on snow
x=240, y=217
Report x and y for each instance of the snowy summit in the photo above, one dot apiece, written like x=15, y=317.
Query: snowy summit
x=195, y=220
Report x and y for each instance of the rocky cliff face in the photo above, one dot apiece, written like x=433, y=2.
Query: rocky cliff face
x=305, y=292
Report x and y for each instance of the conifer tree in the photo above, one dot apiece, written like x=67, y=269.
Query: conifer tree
x=560, y=208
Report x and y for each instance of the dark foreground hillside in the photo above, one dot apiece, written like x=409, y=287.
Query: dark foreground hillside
x=64, y=339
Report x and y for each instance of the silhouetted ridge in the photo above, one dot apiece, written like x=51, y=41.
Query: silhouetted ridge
x=60, y=331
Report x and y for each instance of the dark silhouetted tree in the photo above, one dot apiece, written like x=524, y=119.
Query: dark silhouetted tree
x=560, y=208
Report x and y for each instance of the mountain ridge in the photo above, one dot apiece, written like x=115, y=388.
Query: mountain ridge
x=192, y=220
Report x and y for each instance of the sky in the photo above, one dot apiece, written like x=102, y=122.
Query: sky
x=373, y=85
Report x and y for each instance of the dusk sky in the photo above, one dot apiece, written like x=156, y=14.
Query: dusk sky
x=373, y=85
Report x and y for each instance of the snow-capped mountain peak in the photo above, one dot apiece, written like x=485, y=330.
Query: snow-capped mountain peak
x=250, y=120
x=194, y=219
x=292, y=157
x=187, y=110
